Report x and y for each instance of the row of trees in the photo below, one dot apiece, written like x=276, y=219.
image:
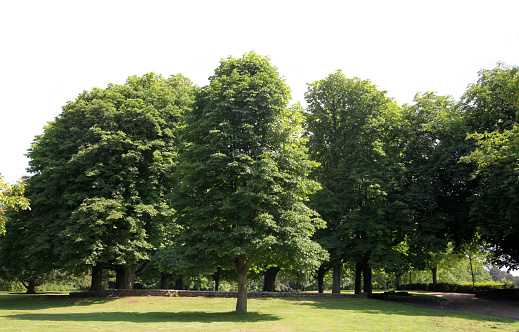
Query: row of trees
x=160, y=174
x=401, y=183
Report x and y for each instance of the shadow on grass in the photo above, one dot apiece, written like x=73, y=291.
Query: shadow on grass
x=147, y=317
x=41, y=301
x=376, y=307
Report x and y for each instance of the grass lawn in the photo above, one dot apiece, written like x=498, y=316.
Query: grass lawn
x=19, y=312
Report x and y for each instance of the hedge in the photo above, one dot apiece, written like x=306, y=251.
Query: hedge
x=457, y=288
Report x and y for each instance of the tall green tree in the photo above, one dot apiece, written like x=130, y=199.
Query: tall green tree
x=243, y=175
x=491, y=107
x=438, y=185
x=353, y=132
x=102, y=173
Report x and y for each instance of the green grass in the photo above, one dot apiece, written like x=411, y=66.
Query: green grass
x=39, y=313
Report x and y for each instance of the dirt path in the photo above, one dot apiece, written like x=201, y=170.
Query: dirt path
x=469, y=303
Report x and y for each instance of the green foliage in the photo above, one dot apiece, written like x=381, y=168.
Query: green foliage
x=11, y=198
x=494, y=208
x=52, y=281
x=492, y=104
x=492, y=108
x=235, y=161
x=453, y=274
x=353, y=132
x=50, y=286
x=26, y=253
x=438, y=185
x=102, y=173
x=502, y=276
x=243, y=174
x=11, y=286
x=466, y=287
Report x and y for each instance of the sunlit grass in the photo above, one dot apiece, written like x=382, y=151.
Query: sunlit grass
x=39, y=312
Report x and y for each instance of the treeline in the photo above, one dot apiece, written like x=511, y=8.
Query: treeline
x=503, y=277
x=162, y=178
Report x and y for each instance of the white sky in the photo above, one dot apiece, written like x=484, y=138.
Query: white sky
x=53, y=50
x=50, y=51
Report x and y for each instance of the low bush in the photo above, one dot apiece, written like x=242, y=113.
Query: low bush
x=11, y=286
x=466, y=287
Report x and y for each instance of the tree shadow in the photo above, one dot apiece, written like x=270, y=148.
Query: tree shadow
x=14, y=301
x=147, y=317
x=374, y=307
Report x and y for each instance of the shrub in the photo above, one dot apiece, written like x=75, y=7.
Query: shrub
x=11, y=286
x=465, y=287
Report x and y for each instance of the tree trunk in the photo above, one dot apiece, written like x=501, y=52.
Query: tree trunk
x=31, y=289
x=472, y=273
x=97, y=278
x=129, y=275
x=269, y=283
x=164, y=278
x=216, y=278
x=119, y=277
x=124, y=276
x=366, y=271
x=320, y=279
x=242, y=267
x=30, y=284
x=358, y=278
x=178, y=283
x=434, y=271
x=336, y=286
x=398, y=281
x=410, y=280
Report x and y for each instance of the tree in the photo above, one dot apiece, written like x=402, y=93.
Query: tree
x=491, y=107
x=11, y=198
x=438, y=186
x=102, y=173
x=243, y=175
x=352, y=131
x=494, y=207
x=25, y=254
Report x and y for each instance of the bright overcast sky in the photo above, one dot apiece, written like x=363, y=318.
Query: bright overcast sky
x=53, y=50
